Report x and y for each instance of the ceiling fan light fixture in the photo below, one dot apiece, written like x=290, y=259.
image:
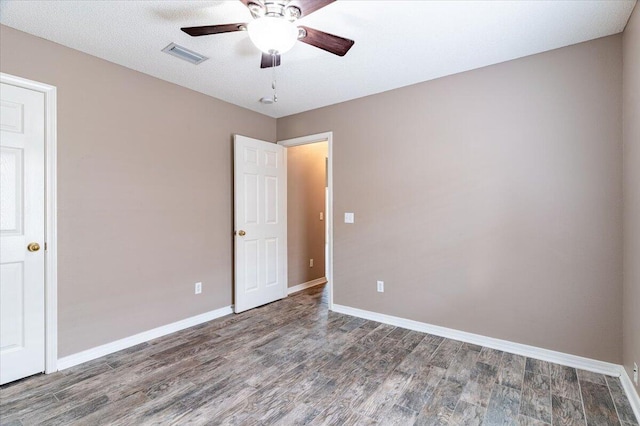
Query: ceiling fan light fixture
x=273, y=34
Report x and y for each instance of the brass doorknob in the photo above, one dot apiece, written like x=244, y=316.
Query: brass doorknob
x=242, y=233
x=33, y=247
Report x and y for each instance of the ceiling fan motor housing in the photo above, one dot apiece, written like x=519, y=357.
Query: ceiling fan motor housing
x=276, y=9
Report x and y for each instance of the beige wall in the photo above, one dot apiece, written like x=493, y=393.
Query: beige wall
x=631, y=167
x=306, y=180
x=145, y=190
x=488, y=201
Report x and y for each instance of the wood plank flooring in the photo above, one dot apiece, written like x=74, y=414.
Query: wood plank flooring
x=293, y=362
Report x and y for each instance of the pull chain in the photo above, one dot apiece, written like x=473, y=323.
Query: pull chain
x=273, y=71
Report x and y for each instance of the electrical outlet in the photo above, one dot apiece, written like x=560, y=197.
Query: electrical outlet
x=380, y=286
x=321, y=216
x=198, y=288
x=635, y=373
x=310, y=263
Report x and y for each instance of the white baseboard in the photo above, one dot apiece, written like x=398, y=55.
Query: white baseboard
x=575, y=361
x=127, y=342
x=630, y=390
x=308, y=284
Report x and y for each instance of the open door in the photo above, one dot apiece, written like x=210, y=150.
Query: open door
x=22, y=298
x=260, y=220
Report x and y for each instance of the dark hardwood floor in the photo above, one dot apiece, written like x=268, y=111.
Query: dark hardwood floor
x=293, y=362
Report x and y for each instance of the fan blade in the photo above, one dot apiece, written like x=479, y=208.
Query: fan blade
x=267, y=61
x=307, y=7
x=325, y=41
x=213, y=29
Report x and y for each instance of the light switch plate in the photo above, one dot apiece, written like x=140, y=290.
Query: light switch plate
x=349, y=218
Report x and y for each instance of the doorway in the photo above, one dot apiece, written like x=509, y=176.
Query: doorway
x=310, y=212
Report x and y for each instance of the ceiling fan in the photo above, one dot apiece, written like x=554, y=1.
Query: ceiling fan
x=273, y=29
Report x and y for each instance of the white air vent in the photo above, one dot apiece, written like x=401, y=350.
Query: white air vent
x=184, y=53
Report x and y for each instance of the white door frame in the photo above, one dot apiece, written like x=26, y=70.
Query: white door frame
x=322, y=137
x=50, y=198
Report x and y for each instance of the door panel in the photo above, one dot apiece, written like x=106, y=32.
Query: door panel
x=271, y=261
x=11, y=306
x=271, y=200
x=251, y=265
x=11, y=196
x=251, y=199
x=260, y=213
x=21, y=222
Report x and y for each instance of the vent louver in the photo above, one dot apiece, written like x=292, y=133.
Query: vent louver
x=184, y=53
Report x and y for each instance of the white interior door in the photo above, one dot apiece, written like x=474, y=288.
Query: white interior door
x=22, y=326
x=260, y=200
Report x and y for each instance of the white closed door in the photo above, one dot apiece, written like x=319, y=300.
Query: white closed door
x=260, y=201
x=22, y=344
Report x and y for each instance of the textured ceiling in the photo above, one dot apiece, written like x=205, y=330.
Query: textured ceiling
x=397, y=42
